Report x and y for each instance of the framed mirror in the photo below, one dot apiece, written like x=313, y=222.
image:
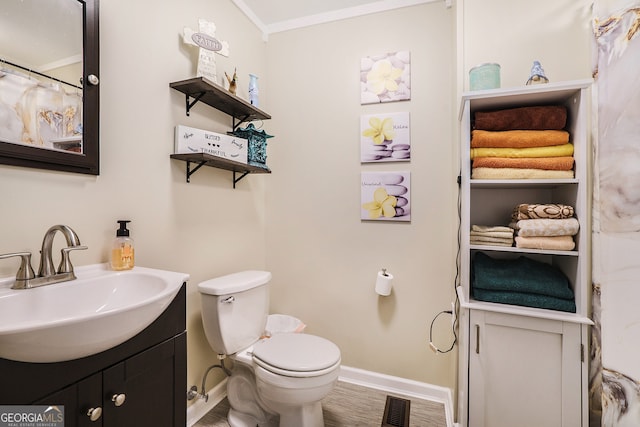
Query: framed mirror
x=49, y=87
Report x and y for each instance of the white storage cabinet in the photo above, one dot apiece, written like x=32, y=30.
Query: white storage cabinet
x=522, y=366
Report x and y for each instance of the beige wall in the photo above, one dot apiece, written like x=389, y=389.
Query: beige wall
x=515, y=33
x=301, y=222
x=205, y=228
x=324, y=259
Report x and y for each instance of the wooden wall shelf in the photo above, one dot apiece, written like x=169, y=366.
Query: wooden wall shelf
x=202, y=159
x=201, y=89
x=204, y=90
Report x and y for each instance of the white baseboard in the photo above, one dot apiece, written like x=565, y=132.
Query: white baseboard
x=357, y=376
x=200, y=408
x=403, y=386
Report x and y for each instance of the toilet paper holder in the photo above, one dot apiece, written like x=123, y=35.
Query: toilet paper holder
x=384, y=282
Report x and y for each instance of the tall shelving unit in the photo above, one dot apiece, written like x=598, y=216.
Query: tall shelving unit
x=519, y=365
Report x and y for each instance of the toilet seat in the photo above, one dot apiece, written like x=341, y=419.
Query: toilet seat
x=296, y=355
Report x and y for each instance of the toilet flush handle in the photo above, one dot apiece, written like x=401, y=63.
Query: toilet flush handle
x=229, y=300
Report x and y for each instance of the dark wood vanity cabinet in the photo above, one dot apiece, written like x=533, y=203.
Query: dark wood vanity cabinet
x=141, y=382
x=79, y=399
x=152, y=394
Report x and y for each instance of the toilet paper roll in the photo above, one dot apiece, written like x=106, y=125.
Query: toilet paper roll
x=383, y=283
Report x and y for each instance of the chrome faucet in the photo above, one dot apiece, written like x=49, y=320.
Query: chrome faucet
x=26, y=278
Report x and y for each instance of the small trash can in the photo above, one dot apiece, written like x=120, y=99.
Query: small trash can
x=283, y=324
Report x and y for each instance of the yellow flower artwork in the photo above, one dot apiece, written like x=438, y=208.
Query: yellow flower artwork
x=382, y=204
x=385, y=196
x=380, y=130
x=385, y=78
x=385, y=138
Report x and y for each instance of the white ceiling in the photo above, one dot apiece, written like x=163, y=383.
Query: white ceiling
x=270, y=16
x=273, y=16
x=41, y=35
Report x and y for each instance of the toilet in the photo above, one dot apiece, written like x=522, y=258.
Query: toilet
x=282, y=377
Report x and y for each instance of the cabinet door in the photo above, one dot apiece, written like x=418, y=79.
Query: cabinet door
x=80, y=401
x=147, y=389
x=524, y=371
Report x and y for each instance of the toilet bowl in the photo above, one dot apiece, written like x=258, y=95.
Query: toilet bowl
x=276, y=381
x=294, y=372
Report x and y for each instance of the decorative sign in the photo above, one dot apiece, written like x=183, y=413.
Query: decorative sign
x=192, y=140
x=206, y=42
x=209, y=46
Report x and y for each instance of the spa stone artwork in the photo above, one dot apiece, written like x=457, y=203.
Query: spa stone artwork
x=385, y=138
x=385, y=196
x=385, y=78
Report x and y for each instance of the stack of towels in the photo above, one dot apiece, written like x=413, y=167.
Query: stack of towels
x=544, y=226
x=521, y=143
x=491, y=235
x=521, y=281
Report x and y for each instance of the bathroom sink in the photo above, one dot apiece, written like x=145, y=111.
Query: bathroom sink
x=97, y=311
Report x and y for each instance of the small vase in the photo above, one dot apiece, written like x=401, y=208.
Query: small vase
x=253, y=90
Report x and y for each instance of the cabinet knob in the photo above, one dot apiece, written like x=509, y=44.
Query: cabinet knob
x=94, y=414
x=93, y=80
x=118, y=399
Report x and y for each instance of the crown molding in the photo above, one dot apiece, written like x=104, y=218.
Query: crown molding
x=322, y=18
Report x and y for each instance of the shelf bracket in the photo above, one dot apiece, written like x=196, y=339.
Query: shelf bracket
x=191, y=172
x=235, y=180
x=196, y=98
x=239, y=122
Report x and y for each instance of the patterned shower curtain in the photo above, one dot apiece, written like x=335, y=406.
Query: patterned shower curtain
x=615, y=354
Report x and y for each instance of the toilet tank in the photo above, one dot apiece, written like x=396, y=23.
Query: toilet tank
x=235, y=309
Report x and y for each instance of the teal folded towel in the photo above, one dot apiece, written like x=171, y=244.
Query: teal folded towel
x=520, y=275
x=524, y=299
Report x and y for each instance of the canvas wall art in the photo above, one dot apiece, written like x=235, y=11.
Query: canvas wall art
x=385, y=78
x=385, y=196
x=385, y=138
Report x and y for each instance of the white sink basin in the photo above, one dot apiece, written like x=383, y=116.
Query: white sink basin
x=95, y=312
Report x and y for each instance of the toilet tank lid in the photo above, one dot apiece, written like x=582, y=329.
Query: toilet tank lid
x=236, y=282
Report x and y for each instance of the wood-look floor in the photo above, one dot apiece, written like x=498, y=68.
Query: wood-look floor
x=350, y=405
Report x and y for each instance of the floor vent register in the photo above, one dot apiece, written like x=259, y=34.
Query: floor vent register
x=396, y=412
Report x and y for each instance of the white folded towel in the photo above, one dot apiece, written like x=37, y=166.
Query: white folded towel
x=546, y=227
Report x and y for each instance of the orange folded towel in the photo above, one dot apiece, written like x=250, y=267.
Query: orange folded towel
x=546, y=163
x=518, y=138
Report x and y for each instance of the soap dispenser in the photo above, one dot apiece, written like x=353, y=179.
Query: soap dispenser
x=122, y=257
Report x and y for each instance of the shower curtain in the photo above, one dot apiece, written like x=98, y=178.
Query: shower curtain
x=615, y=354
